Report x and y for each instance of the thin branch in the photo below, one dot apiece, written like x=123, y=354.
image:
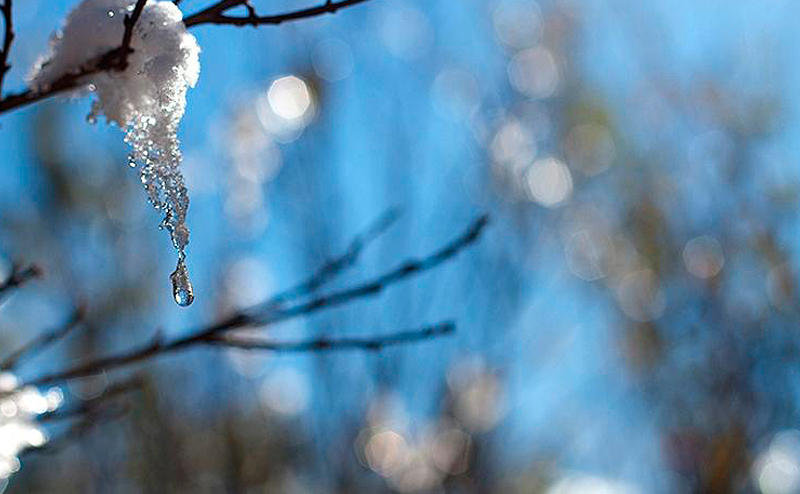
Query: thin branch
x=335, y=266
x=158, y=346
x=326, y=344
x=42, y=341
x=117, y=59
x=113, y=391
x=375, y=286
x=127, y=36
x=17, y=277
x=80, y=428
x=8, y=38
x=215, y=14
x=113, y=60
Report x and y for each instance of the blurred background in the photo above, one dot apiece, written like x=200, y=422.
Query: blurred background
x=628, y=323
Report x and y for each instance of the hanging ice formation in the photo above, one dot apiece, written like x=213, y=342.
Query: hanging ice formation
x=148, y=99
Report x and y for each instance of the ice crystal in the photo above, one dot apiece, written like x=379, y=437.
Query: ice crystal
x=19, y=430
x=147, y=99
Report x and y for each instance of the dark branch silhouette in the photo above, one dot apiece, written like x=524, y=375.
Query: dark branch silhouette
x=77, y=430
x=8, y=38
x=17, y=277
x=215, y=14
x=374, y=343
x=127, y=36
x=116, y=59
x=373, y=287
x=335, y=266
x=256, y=317
x=42, y=341
x=113, y=391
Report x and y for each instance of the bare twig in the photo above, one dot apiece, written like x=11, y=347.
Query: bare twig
x=42, y=341
x=215, y=14
x=335, y=266
x=252, y=318
x=8, y=38
x=130, y=23
x=114, y=60
x=17, y=277
x=80, y=428
x=113, y=391
x=375, y=286
x=371, y=343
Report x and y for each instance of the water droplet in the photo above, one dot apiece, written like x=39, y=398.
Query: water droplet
x=181, y=286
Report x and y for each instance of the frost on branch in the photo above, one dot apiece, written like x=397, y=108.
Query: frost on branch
x=19, y=430
x=147, y=99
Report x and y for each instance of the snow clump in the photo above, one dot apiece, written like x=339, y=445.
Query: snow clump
x=147, y=99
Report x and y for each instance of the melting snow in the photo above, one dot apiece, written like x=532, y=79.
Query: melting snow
x=148, y=99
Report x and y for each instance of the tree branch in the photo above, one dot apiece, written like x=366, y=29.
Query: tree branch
x=375, y=286
x=116, y=60
x=8, y=38
x=113, y=391
x=215, y=14
x=325, y=344
x=79, y=429
x=17, y=277
x=255, y=317
x=335, y=266
x=42, y=341
x=130, y=22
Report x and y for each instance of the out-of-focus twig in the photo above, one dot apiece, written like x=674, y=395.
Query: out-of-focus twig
x=336, y=265
x=244, y=319
x=8, y=38
x=376, y=285
x=43, y=341
x=17, y=277
x=324, y=344
x=215, y=14
x=80, y=428
x=113, y=391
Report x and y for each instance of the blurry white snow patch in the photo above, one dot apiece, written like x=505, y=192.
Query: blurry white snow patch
x=148, y=99
x=776, y=470
x=579, y=483
x=19, y=408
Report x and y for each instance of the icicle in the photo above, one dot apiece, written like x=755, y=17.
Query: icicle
x=147, y=100
x=182, y=289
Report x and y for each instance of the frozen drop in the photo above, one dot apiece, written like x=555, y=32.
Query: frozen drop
x=181, y=285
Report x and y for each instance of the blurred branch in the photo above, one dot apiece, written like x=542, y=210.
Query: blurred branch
x=215, y=14
x=8, y=38
x=43, y=341
x=376, y=285
x=324, y=344
x=336, y=265
x=79, y=429
x=158, y=346
x=90, y=406
x=17, y=277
